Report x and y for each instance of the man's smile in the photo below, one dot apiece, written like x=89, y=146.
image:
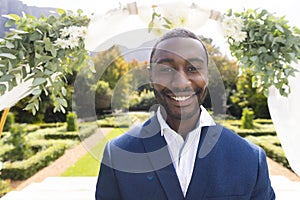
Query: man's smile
x=182, y=97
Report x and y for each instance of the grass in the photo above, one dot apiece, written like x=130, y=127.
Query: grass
x=88, y=165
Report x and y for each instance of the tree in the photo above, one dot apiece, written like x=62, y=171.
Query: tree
x=222, y=72
x=248, y=97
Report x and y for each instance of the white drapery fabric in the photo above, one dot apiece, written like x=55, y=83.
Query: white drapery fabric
x=10, y=98
x=285, y=113
x=107, y=30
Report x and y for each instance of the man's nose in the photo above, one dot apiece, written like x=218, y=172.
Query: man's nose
x=181, y=80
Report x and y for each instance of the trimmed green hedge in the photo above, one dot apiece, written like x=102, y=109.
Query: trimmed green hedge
x=5, y=148
x=51, y=125
x=263, y=135
x=261, y=128
x=61, y=135
x=21, y=170
x=50, y=144
x=84, y=132
x=271, y=145
x=4, y=187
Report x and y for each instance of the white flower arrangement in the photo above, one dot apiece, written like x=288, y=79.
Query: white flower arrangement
x=233, y=28
x=264, y=44
x=70, y=36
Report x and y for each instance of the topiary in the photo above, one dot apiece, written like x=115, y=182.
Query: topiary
x=247, y=119
x=72, y=122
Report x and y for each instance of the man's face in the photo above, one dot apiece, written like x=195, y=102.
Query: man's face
x=179, y=76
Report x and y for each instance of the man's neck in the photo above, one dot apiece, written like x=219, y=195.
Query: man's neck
x=183, y=126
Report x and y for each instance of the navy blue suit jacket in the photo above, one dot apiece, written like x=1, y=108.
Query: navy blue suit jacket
x=137, y=165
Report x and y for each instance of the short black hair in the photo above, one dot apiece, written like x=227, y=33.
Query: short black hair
x=177, y=32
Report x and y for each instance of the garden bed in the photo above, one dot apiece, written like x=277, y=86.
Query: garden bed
x=263, y=135
x=48, y=144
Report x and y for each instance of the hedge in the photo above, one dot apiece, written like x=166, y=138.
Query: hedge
x=84, y=132
x=21, y=170
x=38, y=145
x=261, y=129
x=271, y=145
x=4, y=187
x=51, y=125
x=5, y=148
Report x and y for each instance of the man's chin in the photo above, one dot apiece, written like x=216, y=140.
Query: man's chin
x=183, y=113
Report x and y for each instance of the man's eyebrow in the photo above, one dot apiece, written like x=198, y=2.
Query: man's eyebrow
x=164, y=60
x=190, y=60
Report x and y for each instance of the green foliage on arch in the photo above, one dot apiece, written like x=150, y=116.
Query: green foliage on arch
x=43, y=50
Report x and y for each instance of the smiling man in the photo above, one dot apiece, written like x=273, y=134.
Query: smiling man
x=181, y=153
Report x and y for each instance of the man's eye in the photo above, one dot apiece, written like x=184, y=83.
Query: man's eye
x=166, y=69
x=193, y=69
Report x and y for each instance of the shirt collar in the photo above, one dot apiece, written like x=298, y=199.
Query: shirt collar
x=204, y=120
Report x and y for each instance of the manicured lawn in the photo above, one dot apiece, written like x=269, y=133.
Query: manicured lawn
x=88, y=165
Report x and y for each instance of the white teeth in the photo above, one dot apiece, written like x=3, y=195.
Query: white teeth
x=182, y=98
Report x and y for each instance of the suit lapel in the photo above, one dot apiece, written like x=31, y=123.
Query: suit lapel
x=158, y=153
x=202, y=169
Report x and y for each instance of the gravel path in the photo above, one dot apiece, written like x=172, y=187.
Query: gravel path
x=73, y=154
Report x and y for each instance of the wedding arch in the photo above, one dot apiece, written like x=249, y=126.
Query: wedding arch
x=259, y=40
x=35, y=57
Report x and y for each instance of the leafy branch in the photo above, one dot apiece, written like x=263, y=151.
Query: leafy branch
x=42, y=50
x=268, y=49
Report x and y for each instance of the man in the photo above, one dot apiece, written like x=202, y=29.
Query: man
x=181, y=153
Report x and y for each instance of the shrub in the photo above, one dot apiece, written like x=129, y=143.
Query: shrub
x=17, y=139
x=72, y=122
x=51, y=125
x=73, y=135
x=272, y=147
x=21, y=170
x=84, y=132
x=260, y=129
x=4, y=149
x=142, y=101
x=10, y=120
x=87, y=131
x=247, y=119
x=41, y=145
x=4, y=187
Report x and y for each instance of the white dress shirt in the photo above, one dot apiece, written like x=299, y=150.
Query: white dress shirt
x=183, y=152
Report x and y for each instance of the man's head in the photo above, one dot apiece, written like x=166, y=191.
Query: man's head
x=179, y=74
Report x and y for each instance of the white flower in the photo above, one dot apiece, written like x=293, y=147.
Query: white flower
x=237, y=22
x=240, y=36
x=73, y=42
x=228, y=32
x=64, y=32
x=62, y=43
x=74, y=31
x=233, y=27
x=82, y=32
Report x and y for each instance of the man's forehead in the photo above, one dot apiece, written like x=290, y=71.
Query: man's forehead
x=185, y=48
